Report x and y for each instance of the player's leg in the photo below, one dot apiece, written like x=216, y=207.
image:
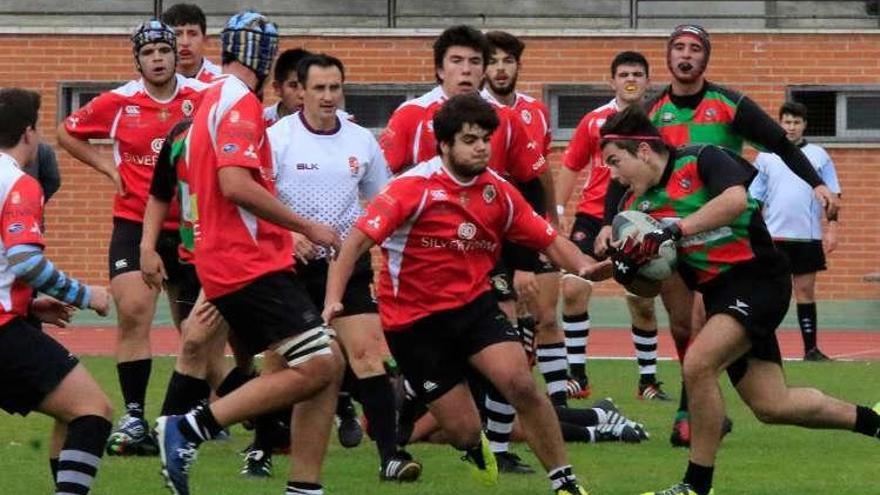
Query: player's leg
x=804, y=288
x=678, y=300
x=644, y=336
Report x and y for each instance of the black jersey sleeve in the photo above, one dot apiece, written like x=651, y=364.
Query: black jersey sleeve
x=163, y=185
x=613, y=196
x=753, y=123
x=720, y=169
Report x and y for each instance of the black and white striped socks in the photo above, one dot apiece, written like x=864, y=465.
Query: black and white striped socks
x=81, y=454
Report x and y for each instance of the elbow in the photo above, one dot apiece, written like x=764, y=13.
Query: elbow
x=739, y=200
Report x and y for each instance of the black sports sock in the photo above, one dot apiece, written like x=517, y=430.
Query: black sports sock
x=867, y=422
x=580, y=417
x=553, y=365
x=53, y=465
x=806, y=314
x=303, y=488
x=499, y=419
x=577, y=334
x=234, y=379
x=184, y=393
x=81, y=454
x=574, y=433
x=200, y=424
x=133, y=379
x=377, y=397
x=267, y=429
x=683, y=401
x=475, y=453
x=699, y=477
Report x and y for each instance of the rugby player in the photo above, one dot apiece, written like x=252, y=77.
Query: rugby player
x=190, y=27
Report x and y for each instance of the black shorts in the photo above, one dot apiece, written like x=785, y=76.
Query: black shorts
x=515, y=257
x=803, y=256
x=584, y=232
x=759, y=302
x=433, y=352
x=358, y=298
x=189, y=286
x=533, y=192
x=32, y=365
x=269, y=310
x=125, y=249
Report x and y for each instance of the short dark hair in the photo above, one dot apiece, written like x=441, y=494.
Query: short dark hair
x=793, y=108
x=19, y=109
x=629, y=58
x=502, y=40
x=181, y=14
x=287, y=62
x=321, y=60
x=460, y=110
x=630, y=127
x=461, y=35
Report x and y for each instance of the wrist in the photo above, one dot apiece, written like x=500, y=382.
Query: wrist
x=676, y=230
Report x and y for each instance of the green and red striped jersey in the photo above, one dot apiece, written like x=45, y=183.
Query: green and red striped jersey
x=708, y=117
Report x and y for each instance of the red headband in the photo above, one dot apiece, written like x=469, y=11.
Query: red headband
x=634, y=137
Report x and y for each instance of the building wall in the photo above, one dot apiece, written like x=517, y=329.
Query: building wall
x=761, y=65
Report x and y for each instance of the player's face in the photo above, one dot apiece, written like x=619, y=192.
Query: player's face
x=468, y=156
x=628, y=169
x=794, y=127
x=462, y=70
x=630, y=82
x=190, y=44
x=322, y=92
x=156, y=62
x=687, y=59
x=288, y=92
x=501, y=72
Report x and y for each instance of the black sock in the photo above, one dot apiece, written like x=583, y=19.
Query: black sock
x=499, y=419
x=806, y=314
x=81, y=454
x=645, y=343
x=475, y=453
x=377, y=397
x=699, y=477
x=200, y=424
x=303, y=488
x=867, y=422
x=577, y=333
x=268, y=427
x=553, y=365
x=184, y=393
x=53, y=465
x=683, y=401
x=133, y=379
x=234, y=379
x=574, y=433
x=580, y=417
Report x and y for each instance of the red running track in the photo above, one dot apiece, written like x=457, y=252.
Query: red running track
x=604, y=343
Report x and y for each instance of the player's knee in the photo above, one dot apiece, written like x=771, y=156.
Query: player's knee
x=642, y=312
x=767, y=411
x=575, y=292
x=522, y=391
x=134, y=313
x=695, y=369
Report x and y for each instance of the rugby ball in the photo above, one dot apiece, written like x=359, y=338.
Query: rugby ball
x=636, y=224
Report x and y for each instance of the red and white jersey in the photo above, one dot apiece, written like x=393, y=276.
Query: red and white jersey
x=208, y=72
x=534, y=116
x=22, y=202
x=233, y=247
x=409, y=139
x=137, y=123
x=583, y=151
x=440, y=238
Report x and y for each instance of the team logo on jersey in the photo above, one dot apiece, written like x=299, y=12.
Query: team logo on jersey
x=645, y=205
x=489, y=193
x=234, y=116
x=710, y=114
x=375, y=222
x=156, y=144
x=353, y=165
x=467, y=231
x=251, y=152
x=667, y=117
x=438, y=195
x=229, y=148
x=526, y=116
x=72, y=121
x=684, y=183
x=164, y=114
x=15, y=228
x=132, y=110
x=187, y=107
x=15, y=197
x=464, y=199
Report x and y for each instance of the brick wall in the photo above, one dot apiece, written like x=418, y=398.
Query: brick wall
x=760, y=65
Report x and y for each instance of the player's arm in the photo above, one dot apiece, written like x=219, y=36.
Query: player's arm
x=574, y=160
x=94, y=121
x=758, y=187
x=83, y=151
x=356, y=244
x=567, y=255
x=396, y=139
x=726, y=176
x=546, y=179
x=47, y=166
x=756, y=126
x=237, y=184
x=829, y=236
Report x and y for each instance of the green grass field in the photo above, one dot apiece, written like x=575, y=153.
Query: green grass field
x=755, y=459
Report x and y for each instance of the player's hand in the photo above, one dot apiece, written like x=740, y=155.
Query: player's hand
x=526, y=285
x=603, y=240
x=830, y=201
x=627, y=257
x=595, y=271
x=331, y=309
x=100, y=302
x=207, y=315
x=113, y=174
x=652, y=241
x=153, y=269
x=829, y=239
x=52, y=311
x=324, y=236
x=304, y=249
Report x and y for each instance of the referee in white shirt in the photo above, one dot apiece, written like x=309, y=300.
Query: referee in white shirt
x=793, y=217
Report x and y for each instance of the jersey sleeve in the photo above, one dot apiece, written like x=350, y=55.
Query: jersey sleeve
x=720, y=169
x=397, y=138
x=829, y=174
x=548, y=136
x=240, y=135
x=390, y=208
x=96, y=119
x=22, y=214
x=377, y=174
x=579, y=151
x=524, y=159
x=163, y=185
x=526, y=227
x=758, y=187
